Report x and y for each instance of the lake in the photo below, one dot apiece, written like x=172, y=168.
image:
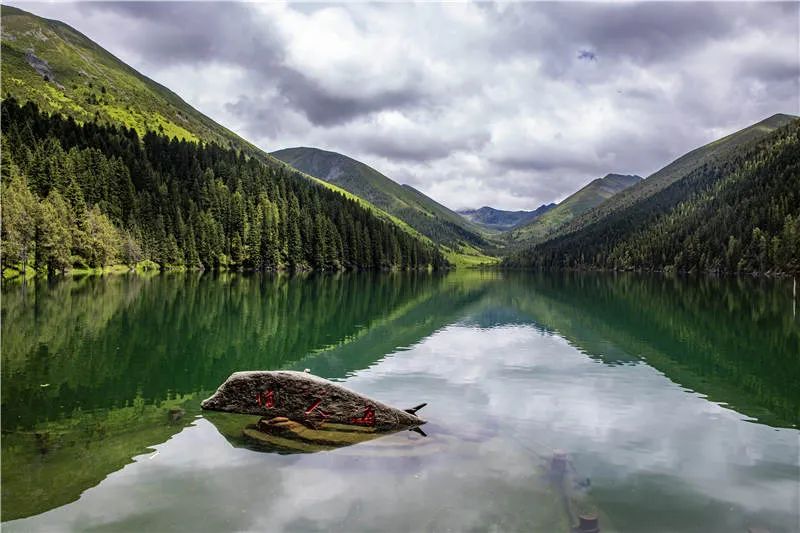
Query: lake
x=671, y=403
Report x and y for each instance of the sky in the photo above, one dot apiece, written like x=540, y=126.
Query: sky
x=506, y=105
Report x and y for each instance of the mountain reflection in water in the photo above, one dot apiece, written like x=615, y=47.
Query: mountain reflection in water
x=678, y=398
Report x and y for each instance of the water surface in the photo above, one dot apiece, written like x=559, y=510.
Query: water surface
x=675, y=400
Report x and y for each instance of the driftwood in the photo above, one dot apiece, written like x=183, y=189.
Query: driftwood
x=307, y=399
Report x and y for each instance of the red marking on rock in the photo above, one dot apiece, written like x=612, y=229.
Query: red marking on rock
x=313, y=406
x=367, y=420
x=266, y=399
x=269, y=399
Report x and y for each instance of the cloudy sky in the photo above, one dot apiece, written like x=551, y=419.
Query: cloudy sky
x=508, y=105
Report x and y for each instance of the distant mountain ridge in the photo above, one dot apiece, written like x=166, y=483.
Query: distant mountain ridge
x=425, y=215
x=502, y=220
x=582, y=201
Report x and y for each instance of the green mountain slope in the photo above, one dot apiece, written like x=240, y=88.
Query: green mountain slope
x=678, y=169
x=501, y=220
x=736, y=211
x=64, y=73
x=62, y=70
x=587, y=198
x=408, y=204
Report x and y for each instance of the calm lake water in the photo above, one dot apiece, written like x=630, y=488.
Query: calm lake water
x=674, y=401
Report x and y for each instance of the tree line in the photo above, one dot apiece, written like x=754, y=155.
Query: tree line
x=91, y=195
x=738, y=214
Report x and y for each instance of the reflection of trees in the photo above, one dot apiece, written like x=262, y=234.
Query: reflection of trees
x=732, y=339
x=118, y=352
x=52, y=464
x=178, y=334
x=405, y=326
x=46, y=313
x=102, y=341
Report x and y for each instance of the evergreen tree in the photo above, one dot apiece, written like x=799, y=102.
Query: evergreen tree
x=176, y=202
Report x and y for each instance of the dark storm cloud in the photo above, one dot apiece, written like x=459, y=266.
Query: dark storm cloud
x=546, y=161
x=325, y=108
x=170, y=33
x=259, y=116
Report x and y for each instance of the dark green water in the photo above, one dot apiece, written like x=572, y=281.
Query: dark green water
x=678, y=400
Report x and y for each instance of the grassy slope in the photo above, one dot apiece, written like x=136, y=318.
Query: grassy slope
x=88, y=82
x=403, y=201
x=587, y=198
x=80, y=70
x=676, y=170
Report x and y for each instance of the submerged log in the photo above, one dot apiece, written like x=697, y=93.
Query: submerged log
x=307, y=399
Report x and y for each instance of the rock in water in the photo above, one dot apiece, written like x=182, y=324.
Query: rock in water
x=305, y=398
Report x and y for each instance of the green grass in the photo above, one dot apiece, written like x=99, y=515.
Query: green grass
x=15, y=273
x=587, y=198
x=86, y=82
x=469, y=257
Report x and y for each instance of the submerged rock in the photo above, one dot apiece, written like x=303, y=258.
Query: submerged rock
x=283, y=436
x=305, y=398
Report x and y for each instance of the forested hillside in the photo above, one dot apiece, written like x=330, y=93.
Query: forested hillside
x=677, y=170
x=579, y=202
x=737, y=212
x=430, y=218
x=93, y=194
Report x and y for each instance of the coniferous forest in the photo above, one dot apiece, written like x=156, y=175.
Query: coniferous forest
x=90, y=195
x=739, y=214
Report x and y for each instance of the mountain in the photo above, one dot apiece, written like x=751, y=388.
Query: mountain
x=62, y=71
x=403, y=201
x=107, y=163
x=730, y=206
x=587, y=198
x=678, y=169
x=500, y=220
